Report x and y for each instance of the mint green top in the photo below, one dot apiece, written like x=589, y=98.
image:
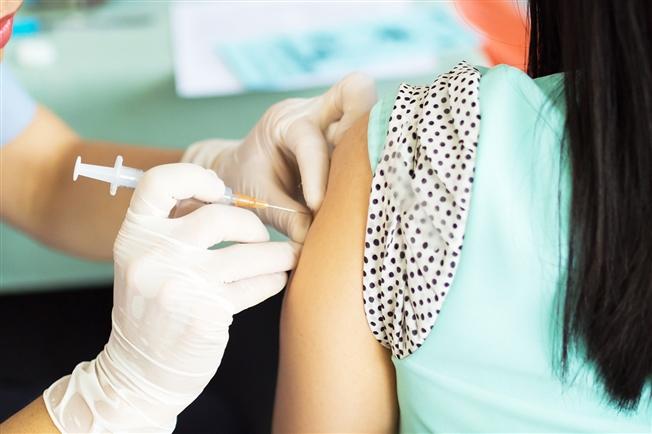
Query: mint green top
x=489, y=363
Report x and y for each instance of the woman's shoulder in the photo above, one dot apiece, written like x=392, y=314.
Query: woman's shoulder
x=507, y=96
x=510, y=91
x=499, y=81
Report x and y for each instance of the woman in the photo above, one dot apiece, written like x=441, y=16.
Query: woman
x=542, y=321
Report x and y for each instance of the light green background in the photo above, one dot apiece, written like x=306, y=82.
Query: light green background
x=118, y=85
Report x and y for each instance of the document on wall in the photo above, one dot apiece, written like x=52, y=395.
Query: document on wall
x=228, y=48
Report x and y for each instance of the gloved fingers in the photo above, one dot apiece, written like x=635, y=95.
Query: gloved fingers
x=203, y=153
x=215, y=223
x=293, y=224
x=344, y=103
x=243, y=261
x=310, y=149
x=168, y=319
x=246, y=293
x=161, y=187
x=336, y=130
x=185, y=207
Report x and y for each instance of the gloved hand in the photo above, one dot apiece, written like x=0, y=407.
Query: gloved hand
x=173, y=303
x=292, y=140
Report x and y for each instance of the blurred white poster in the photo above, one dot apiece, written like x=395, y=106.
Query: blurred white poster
x=227, y=48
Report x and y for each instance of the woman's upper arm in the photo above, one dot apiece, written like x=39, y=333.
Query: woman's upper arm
x=333, y=375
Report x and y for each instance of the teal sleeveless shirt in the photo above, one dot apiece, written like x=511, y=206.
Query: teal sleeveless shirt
x=489, y=363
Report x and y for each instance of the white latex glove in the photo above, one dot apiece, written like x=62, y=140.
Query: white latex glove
x=173, y=303
x=287, y=154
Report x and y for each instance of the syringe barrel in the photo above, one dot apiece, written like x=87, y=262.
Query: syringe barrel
x=129, y=177
x=228, y=195
x=123, y=176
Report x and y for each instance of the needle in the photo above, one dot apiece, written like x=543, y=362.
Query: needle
x=251, y=202
x=281, y=208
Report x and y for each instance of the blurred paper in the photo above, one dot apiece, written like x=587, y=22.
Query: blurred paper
x=226, y=48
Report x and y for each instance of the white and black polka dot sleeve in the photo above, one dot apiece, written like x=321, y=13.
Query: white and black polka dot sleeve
x=418, y=207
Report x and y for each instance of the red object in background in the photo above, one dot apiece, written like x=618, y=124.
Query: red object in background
x=504, y=24
x=6, y=25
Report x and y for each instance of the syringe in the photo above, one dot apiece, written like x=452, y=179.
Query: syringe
x=123, y=176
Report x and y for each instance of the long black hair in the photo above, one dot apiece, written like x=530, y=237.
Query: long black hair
x=604, y=47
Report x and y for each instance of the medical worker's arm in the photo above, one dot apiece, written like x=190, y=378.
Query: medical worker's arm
x=173, y=302
x=39, y=196
x=333, y=375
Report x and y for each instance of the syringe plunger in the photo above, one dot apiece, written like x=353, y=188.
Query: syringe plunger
x=116, y=176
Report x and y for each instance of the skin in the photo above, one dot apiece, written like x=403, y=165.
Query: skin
x=32, y=419
x=334, y=378
x=80, y=218
x=8, y=7
x=47, y=205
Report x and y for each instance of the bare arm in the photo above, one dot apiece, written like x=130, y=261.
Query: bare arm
x=32, y=419
x=38, y=195
x=333, y=375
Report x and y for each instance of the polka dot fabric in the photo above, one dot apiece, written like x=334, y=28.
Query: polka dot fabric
x=418, y=207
